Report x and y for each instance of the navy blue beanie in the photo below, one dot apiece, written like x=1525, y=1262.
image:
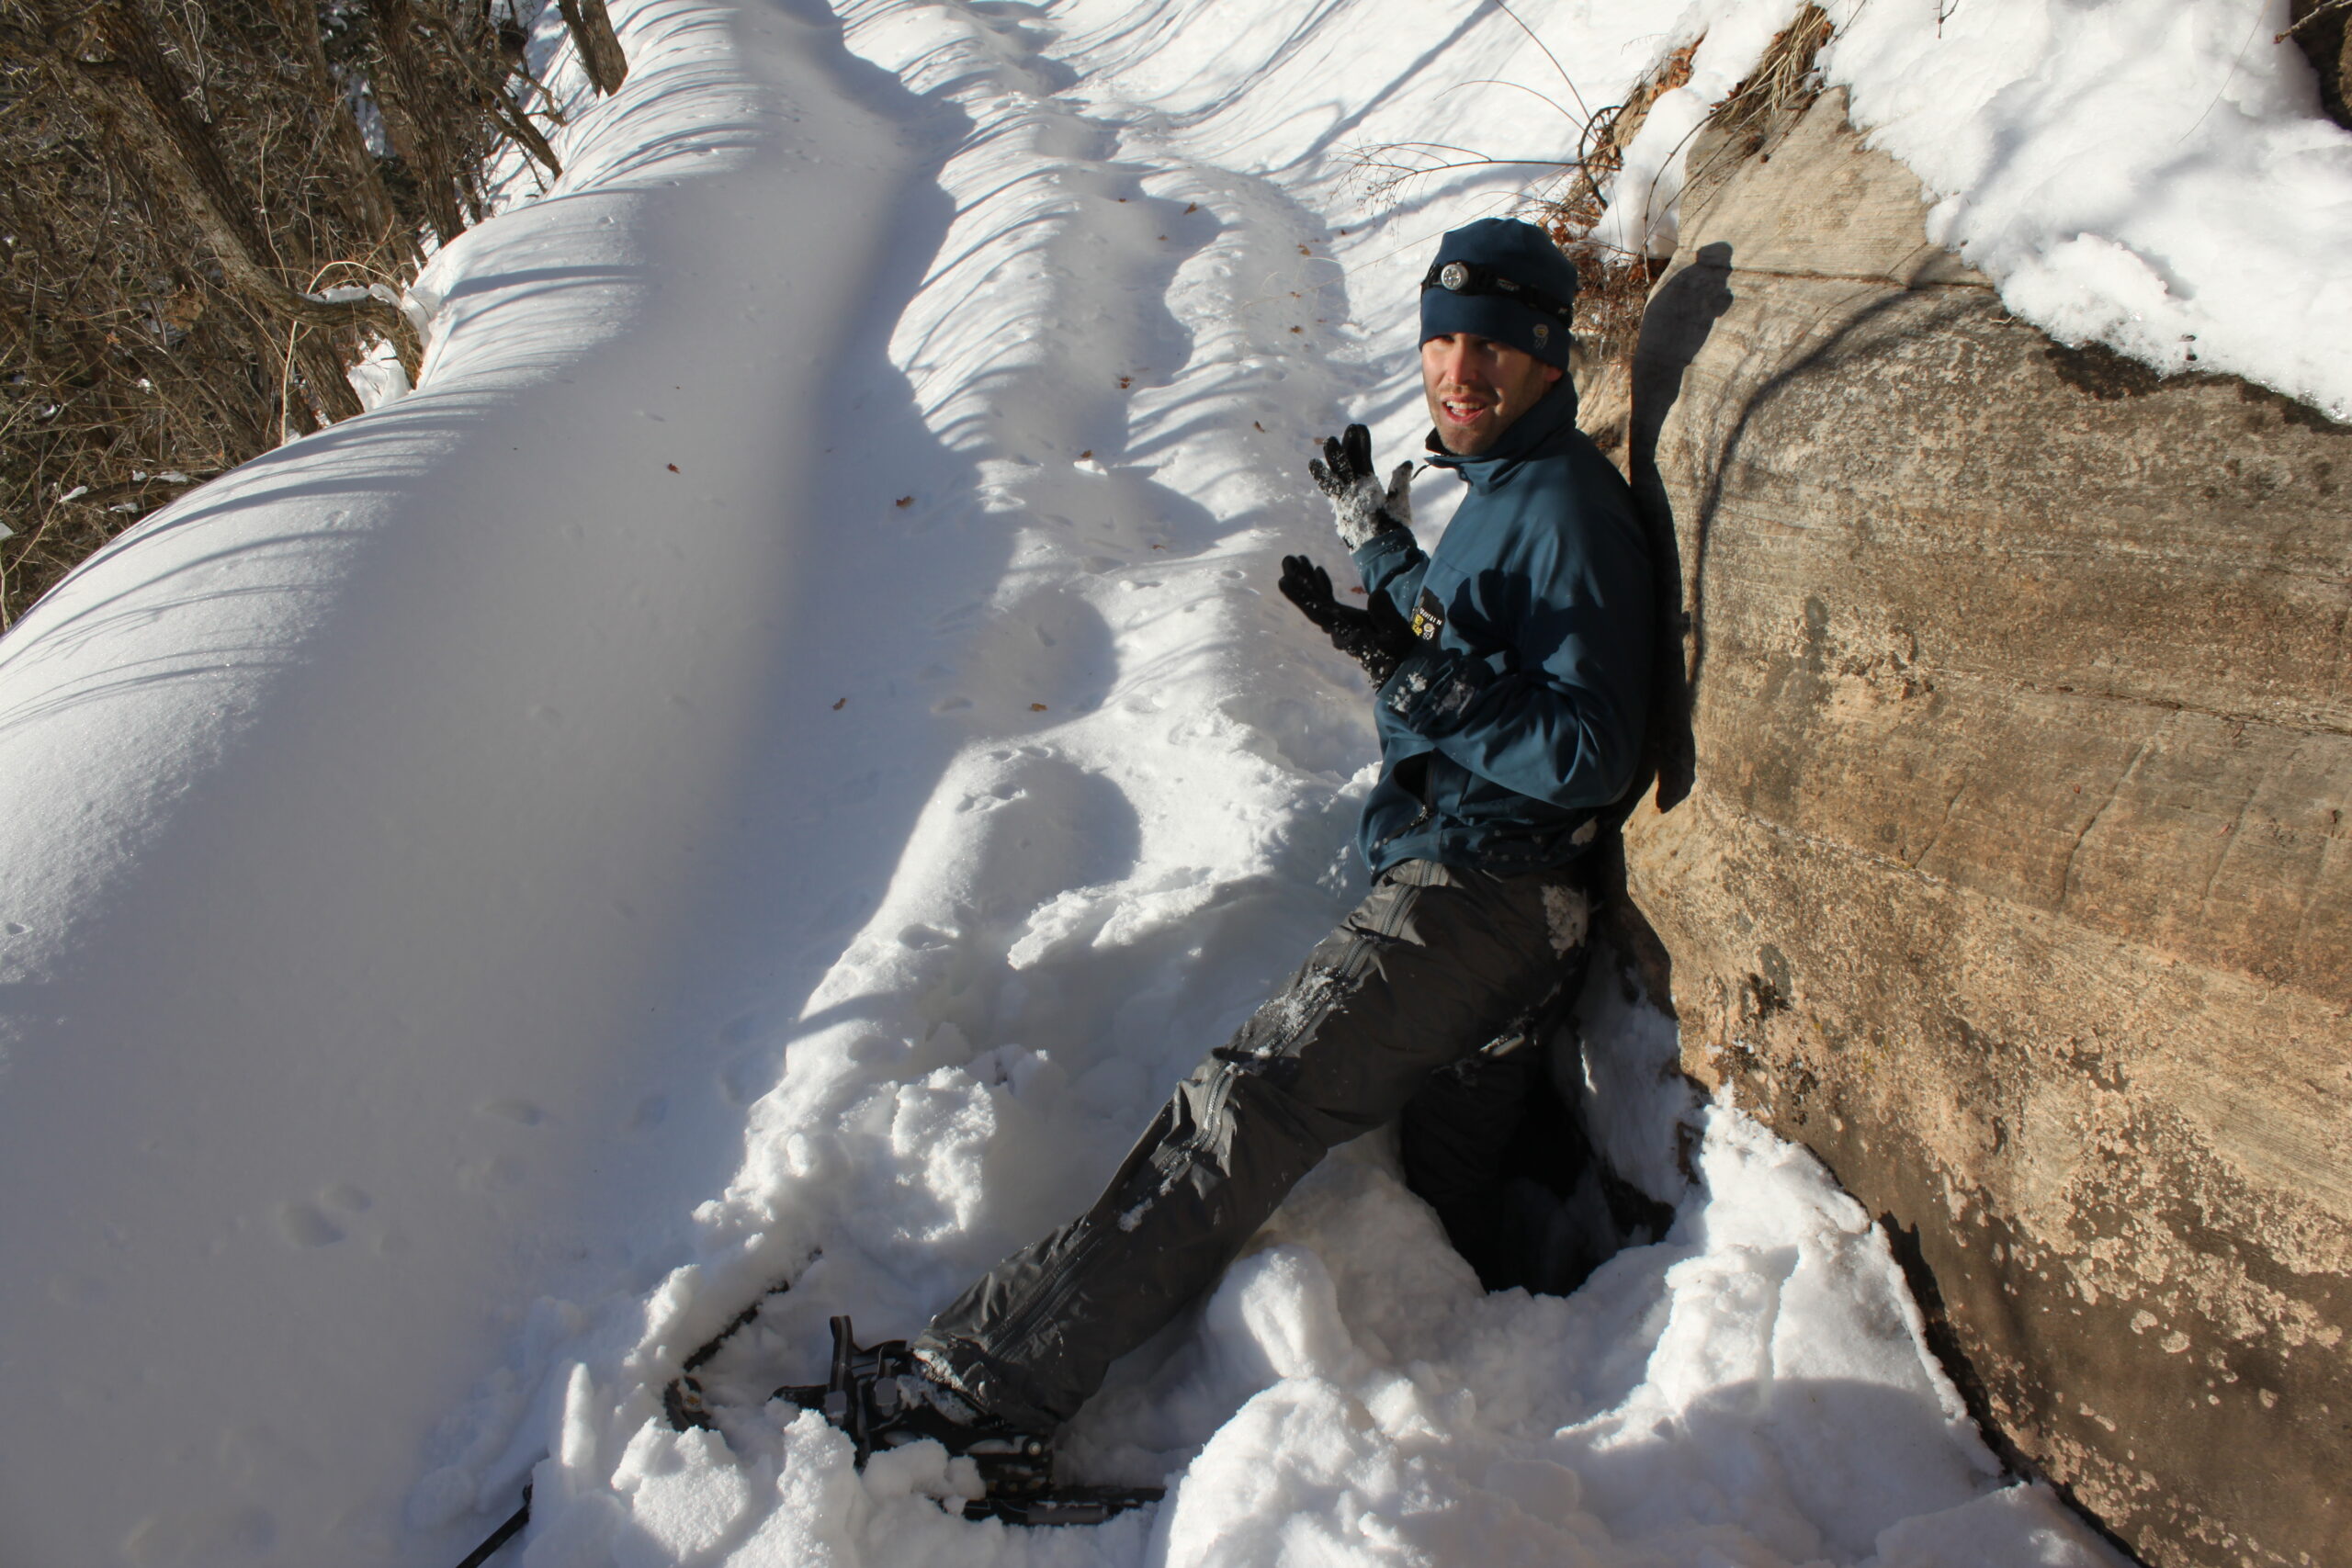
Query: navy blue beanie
x=1498, y=253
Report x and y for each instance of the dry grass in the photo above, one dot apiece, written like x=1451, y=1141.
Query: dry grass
x=1782, y=84
x=1615, y=281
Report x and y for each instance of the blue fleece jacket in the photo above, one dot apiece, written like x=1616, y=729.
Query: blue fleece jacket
x=1518, y=722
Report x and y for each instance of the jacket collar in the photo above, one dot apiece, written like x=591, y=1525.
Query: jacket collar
x=1539, y=433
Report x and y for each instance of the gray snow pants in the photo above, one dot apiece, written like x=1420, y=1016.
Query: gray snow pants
x=1435, y=965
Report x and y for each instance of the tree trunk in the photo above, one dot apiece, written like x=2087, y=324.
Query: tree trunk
x=322, y=370
x=404, y=90
x=366, y=202
x=599, y=46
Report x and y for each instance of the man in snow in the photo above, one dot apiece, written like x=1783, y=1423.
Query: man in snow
x=1513, y=671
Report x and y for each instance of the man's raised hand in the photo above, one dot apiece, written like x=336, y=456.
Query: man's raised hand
x=1360, y=507
x=1376, y=638
x=1309, y=586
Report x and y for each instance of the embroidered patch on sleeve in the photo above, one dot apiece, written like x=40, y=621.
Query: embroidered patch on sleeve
x=1428, y=616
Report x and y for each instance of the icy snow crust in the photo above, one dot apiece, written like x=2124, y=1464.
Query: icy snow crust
x=765, y=768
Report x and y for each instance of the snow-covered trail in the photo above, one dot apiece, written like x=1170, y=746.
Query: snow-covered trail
x=766, y=767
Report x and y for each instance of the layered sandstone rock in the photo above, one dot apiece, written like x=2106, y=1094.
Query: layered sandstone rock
x=2006, y=862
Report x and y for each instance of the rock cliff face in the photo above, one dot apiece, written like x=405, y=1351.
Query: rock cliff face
x=2004, y=861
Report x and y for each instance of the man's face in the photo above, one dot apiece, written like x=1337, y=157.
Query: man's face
x=1476, y=387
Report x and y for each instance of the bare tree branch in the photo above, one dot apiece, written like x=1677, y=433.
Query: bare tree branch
x=599, y=46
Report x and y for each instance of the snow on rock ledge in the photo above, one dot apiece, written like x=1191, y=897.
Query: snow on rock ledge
x=2153, y=175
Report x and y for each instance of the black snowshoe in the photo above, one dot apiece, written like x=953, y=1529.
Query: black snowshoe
x=882, y=1397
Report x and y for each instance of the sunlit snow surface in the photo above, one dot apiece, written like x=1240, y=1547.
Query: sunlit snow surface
x=768, y=765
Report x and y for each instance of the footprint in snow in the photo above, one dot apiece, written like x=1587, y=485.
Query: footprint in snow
x=304, y=1228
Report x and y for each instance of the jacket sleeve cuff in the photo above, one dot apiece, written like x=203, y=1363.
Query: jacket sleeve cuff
x=1383, y=554
x=1431, y=693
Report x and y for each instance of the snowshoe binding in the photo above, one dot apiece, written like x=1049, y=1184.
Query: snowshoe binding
x=883, y=1397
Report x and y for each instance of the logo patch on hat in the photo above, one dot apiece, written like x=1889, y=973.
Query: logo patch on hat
x=1542, y=335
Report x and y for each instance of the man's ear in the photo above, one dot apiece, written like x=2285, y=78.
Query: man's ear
x=1552, y=373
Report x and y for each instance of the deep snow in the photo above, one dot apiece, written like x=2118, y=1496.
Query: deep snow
x=766, y=766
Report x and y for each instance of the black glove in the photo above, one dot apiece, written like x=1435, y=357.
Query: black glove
x=1360, y=507
x=1376, y=638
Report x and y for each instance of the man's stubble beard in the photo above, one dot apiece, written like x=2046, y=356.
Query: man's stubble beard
x=1530, y=390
